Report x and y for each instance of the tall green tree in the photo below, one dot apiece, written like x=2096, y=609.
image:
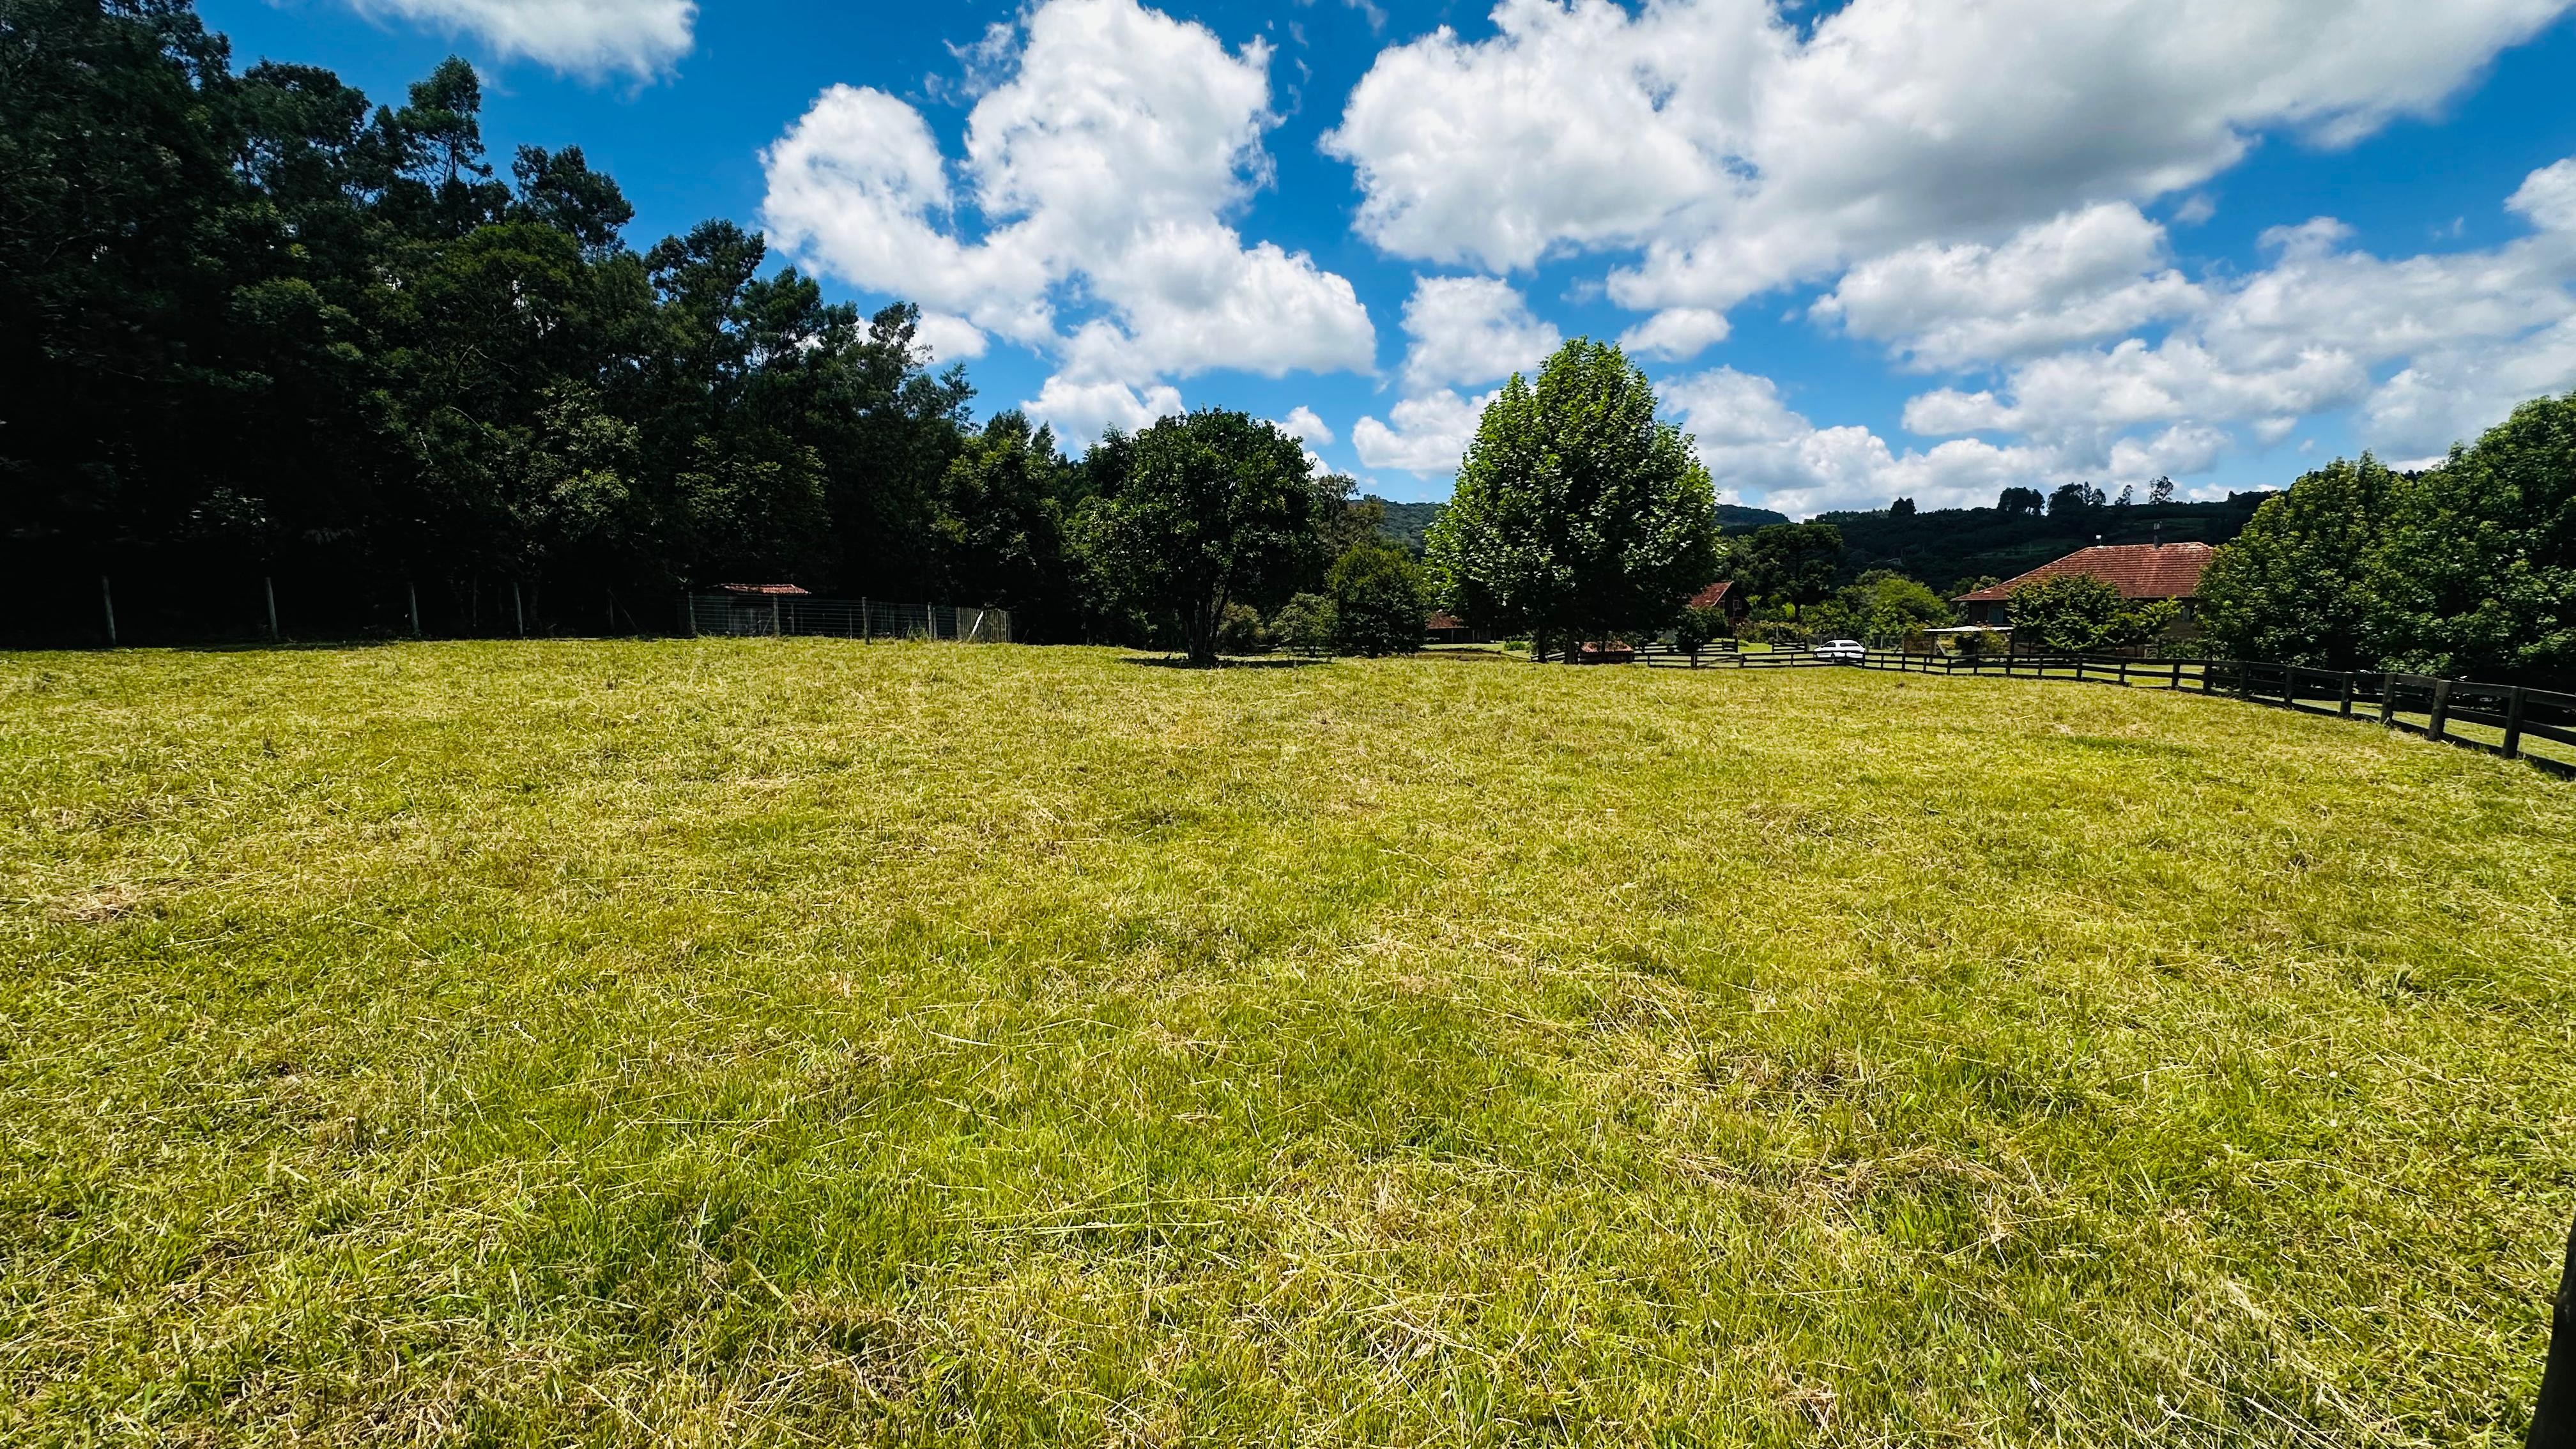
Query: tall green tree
x=2478, y=574
x=2301, y=584
x=1577, y=514
x=1214, y=508
x=999, y=524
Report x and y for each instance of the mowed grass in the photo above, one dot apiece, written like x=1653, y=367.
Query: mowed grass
x=756, y=1042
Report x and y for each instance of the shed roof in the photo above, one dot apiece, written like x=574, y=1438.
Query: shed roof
x=1712, y=595
x=2137, y=570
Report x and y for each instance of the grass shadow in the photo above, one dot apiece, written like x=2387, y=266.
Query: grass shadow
x=1175, y=661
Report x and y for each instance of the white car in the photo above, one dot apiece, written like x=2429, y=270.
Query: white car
x=1843, y=649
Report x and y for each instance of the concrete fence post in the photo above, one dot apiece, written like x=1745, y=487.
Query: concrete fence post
x=107, y=601
x=268, y=586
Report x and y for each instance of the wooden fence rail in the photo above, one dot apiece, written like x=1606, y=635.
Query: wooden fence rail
x=2516, y=713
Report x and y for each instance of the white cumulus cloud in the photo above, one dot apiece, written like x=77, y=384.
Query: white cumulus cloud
x=1741, y=146
x=2467, y=334
x=1470, y=330
x=1426, y=434
x=585, y=37
x=1081, y=411
x=1107, y=147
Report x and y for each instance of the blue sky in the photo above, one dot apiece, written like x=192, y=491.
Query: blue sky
x=1918, y=247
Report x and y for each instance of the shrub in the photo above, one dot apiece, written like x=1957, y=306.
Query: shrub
x=1304, y=625
x=1696, y=626
x=1379, y=601
x=2080, y=614
x=1240, y=631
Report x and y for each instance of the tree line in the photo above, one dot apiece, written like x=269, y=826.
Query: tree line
x=2466, y=569
x=257, y=324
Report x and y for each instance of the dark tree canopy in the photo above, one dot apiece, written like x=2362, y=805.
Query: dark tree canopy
x=255, y=324
x=1380, y=600
x=1788, y=563
x=2468, y=569
x=1210, y=509
x=2297, y=585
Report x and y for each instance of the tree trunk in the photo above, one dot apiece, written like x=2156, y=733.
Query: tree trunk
x=1201, y=623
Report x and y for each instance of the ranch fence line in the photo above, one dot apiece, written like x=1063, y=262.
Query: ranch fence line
x=2501, y=719
x=867, y=620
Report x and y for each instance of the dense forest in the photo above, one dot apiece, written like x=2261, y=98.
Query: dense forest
x=260, y=329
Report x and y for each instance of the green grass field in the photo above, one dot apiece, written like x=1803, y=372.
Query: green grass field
x=733, y=1043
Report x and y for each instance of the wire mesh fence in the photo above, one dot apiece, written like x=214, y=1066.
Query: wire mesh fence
x=755, y=615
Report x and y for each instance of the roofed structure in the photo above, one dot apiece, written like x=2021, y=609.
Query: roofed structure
x=2137, y=570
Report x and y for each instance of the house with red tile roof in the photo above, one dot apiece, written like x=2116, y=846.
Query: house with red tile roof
x=1444, y=627
x=1722, y=595
x=2140, y=571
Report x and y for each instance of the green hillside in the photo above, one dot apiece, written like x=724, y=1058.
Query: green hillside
x=1406, y=523
x=1946, y=546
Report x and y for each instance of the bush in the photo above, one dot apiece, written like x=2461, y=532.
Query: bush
x=2080, y=614
x=1697, y=626
x=1305, y=625
x=1240, y=631
x=1978, y=646
x=1379, y=601
x=1778, y=632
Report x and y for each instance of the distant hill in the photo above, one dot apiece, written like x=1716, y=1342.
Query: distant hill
x=1406, y=523
x=1947, y=546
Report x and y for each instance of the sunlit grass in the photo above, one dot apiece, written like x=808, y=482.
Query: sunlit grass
x=750, y=1042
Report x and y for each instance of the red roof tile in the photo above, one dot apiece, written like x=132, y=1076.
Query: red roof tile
x=1712, y=594
x=2137, y=570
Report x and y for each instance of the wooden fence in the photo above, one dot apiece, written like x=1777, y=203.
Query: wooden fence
x=2502, y=719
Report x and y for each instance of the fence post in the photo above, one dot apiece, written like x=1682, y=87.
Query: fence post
x=268, y=586
x=107, y=601
x=2441, y=707
x=2177, y=676
x=411, y=591
x=2387, y=697
x=774, y=630
x=2513, y=723
x=867, y=626
x=518, y=608
x=2347, y=694
x=2290, y=685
